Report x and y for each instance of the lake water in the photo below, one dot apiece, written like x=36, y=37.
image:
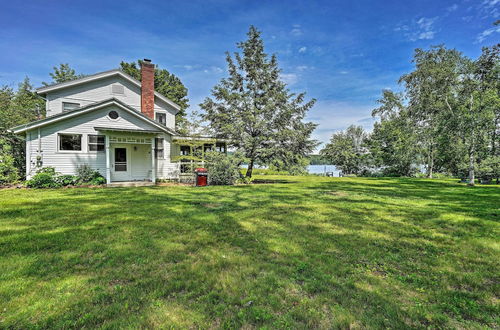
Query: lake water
x=314, y=169
x=321, y=169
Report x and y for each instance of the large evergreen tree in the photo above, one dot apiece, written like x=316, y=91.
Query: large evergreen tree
x=253, y=108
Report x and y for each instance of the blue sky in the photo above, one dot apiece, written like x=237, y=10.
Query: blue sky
x=343, y=53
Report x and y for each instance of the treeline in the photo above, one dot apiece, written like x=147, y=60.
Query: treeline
x=446, y=119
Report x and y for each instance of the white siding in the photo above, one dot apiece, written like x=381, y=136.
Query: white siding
x=166, y=168
x=66, y=162
x=99, y=90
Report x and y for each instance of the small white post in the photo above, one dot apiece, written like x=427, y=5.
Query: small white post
x=108, y=161
x=153, y=163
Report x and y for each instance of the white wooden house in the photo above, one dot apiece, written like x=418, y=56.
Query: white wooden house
x=109, y=121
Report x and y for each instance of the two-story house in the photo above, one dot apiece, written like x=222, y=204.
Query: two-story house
x=109, y=121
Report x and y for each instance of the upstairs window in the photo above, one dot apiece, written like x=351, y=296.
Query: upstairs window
x=68, y=106
x=70, y=142
x=159, y=154
x=161, y=118
x=96, y=142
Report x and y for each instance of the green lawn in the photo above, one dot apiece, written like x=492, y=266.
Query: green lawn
x=303, y=252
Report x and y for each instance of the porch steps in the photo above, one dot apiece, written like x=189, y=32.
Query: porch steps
x=130, y=184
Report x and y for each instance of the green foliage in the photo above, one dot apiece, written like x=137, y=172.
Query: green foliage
x=346, y=150
x=8, y=170
x=87, y=175
x=299, y=167
x=63, y=73
x=318, y=160
x=45, y=178
x=223, y=169
x=490, y=168
x=67, y=180
x=19, y=107
x=393, y=144
x=265, y=171
x=167, y=84
x=253, y=108
x=447, y=117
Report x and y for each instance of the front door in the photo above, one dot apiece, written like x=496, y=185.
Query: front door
x=120, y=165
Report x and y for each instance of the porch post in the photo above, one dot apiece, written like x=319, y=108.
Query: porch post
x=108, y=161
x=153, y=163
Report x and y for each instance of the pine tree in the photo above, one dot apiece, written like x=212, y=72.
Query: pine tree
x=254, y=109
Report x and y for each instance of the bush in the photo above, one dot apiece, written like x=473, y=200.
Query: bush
x=86, y=175
x=97, y=180
x=67, y=180
x=223, y=169
x=45, y=178
x=8, y=170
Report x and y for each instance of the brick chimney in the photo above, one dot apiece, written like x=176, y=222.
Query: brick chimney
x=148, y=88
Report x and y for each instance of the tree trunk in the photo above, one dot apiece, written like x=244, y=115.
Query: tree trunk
x=430, y=163
x=472, y=147
x=471, y=166
x=250, y=169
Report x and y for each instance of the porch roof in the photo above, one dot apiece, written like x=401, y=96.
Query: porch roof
x=127, y=130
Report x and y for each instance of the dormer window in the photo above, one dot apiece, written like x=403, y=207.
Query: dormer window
x=68, y=106
x=161, y=118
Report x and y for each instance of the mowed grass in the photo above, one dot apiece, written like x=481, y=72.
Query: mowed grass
x=303, y=252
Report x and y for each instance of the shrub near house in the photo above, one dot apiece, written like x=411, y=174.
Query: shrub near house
x=223, y=169
x=47, y=177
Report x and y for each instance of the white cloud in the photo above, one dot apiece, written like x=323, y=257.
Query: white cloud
x=421, y=29
x=489, y=8
x=344, y=72
x=296, y=31
x=188, y=67
x=302, y=49
x=302, y=67
x=289, y=78
x=426, y=35
x=452, y=7
x=213, y=69
x=486, y=33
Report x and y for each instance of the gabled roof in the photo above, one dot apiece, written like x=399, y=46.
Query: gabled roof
x=102, y=75
x=89, y=108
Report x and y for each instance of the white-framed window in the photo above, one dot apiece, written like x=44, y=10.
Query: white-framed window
x=161, y=118
x=96, y=142
x=159, y=148
x=68, y=106
x=70, y=142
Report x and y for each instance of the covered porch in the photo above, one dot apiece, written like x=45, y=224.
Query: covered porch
x=130, y=155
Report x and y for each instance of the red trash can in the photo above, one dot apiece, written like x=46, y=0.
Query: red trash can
x=201, y=177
